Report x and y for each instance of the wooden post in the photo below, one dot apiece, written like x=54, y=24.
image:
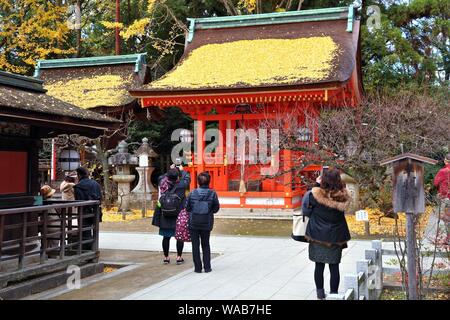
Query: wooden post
x=62, y=236
x=80, y=229
x=366, y=228
x=409, y=196
x=2, y=228
x=23, y=241
x=411, y=256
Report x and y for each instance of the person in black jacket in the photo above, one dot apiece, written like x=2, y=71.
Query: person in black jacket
x=88, y=189
x=177, y=181
x=327, y=231
x=202, y=204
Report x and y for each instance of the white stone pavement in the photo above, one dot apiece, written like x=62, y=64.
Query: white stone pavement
x=247, y=268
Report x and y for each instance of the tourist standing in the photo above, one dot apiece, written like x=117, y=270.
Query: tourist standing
x=88, y=189
x=327, y=231
x=172, y=190
x=53, y=220
x=442, y=179
x=202, y=204
x=442, y=182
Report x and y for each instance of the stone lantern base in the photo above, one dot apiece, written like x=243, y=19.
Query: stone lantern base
x=123, y=189
x=137, y=194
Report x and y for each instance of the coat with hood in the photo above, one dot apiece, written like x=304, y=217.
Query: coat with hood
x=179, y=187
x=327, y=224
x=67, y=190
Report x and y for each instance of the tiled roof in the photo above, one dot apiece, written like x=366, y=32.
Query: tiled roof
x=287, y=49
x=95, y=81
x=21, y=93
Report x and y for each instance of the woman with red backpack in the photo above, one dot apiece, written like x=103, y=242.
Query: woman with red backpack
x=172, y=201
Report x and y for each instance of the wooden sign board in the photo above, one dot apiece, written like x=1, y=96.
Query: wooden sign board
x=409, y=194
x=407, y=177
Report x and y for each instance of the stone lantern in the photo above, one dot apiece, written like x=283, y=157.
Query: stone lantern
x=144, y=191
x=122, y=162
x=353, y=189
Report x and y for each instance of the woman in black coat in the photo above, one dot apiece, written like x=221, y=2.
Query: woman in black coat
x=327, y=231
x=177, y=182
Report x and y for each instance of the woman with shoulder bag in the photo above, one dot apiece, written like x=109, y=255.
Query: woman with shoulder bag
x=327, y=230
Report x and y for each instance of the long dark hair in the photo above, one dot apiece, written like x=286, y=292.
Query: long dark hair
x=331, y=181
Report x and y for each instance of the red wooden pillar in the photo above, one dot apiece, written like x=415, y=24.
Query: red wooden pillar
x=200, y=145
x=287, y=178
x=220, y=154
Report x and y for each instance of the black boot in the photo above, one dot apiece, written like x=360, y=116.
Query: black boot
x=321, y=294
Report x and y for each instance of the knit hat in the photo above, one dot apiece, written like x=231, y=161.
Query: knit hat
x=47, y=191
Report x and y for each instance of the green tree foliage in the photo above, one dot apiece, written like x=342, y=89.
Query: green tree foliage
x=159, y=132
x=411, y=49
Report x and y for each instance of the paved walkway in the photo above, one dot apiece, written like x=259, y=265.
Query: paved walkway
x=247, y=268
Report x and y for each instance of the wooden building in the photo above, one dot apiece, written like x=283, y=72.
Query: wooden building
x=238, y=71
x=97, y=84
x=27, y=115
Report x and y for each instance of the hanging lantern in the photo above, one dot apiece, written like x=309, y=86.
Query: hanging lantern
x=186, y=136
x=69, y=160
x=304, y=134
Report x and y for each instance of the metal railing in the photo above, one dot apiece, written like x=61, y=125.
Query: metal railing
x=42, y=239
x=367, y=283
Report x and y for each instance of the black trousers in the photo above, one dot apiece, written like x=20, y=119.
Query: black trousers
x=197, y=237
x=166, y=244
x=334, y=276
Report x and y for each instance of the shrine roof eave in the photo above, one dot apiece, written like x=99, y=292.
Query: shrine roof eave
x=160, y=93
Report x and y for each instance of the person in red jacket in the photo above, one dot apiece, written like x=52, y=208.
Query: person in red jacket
x=442, y=180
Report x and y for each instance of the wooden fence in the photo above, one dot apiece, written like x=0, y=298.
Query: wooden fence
x=367, y=282
x=42, y=239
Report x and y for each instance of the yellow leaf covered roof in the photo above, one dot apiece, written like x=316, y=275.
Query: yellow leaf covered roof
x=262, y=62
x=92, y=91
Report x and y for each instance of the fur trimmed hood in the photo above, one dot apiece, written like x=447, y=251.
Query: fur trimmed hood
x=339, y=200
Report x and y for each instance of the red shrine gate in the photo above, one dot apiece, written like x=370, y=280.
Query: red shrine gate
x=242, y=71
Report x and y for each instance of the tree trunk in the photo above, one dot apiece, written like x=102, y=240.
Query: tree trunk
x=78, y=31
x=231, y=10
x=300, y=5
x=102, y=155
x=117, y=28
x=258, y=6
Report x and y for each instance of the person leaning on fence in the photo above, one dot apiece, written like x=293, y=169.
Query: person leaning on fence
x=202, y=204
x=88, y=189
x=327, y=230
x=172, y=190
x=53, y=223
x=67, y=186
